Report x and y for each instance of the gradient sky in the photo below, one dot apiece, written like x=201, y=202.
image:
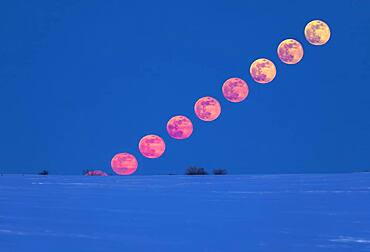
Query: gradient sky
x=83, y=80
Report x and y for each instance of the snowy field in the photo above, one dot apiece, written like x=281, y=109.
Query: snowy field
x=275, y=213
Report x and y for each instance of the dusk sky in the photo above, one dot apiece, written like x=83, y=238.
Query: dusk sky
x=83, y=80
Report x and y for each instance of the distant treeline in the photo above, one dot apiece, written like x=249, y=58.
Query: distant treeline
x=193, y=170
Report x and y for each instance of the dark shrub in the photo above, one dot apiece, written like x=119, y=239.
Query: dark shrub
x=219, y=171
x=44, y=173
x=85, y=172
x=95, y=173
x=193, y=170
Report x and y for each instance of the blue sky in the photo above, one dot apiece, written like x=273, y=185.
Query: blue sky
x=83, y=80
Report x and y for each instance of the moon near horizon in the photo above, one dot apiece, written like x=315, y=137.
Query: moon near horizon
x=124, y=164
x=179, y=127
x=152, y=146
x=317, y=32
x=235, y=89
x=207, y=108
x=263, y=71
x=290, y=51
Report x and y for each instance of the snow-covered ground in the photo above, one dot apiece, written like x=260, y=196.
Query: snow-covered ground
x=275, y=213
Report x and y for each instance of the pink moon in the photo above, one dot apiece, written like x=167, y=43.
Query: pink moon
x=179, y=127
x=290, y=51
x=152, y=146
x=124, y=164
x=207, y=108
x=235, y=89
x=263, y=71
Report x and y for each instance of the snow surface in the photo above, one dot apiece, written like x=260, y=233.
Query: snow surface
x=274, y=213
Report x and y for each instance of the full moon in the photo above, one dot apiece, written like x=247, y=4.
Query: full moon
x=124, y=164
x=179, y=127
x=235, y=90
x=290, y=51
x=263, y=70
x=207, y=108
x=317, y=32
x=152, y=146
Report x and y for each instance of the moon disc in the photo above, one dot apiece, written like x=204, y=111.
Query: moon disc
x=290, y=51
x=124, y=164
x=207, y=108
x=179, y=127
x=317, y=32
x=152, y=146
x=235, y=89
x=263, y=70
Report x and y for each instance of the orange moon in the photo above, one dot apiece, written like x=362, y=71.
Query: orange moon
x=290, y=51
x=152, y=146
x=235, y=89
x=124, y=164
x=179, y=127
x=207, y=108
x=317, y=32
x=263, y=70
